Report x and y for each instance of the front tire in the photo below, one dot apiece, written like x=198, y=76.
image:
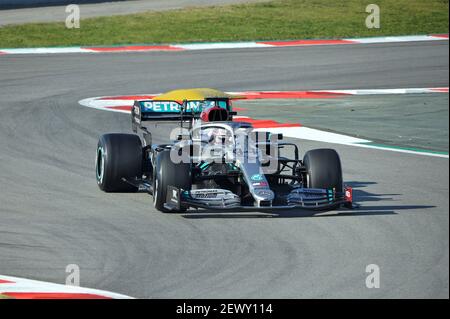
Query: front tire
x=168, y=173
x=323, y=169
x=118, y=156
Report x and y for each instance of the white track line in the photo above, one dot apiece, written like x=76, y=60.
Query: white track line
x=388, y=91
x=224, y=45
x=97, y=103
x=396, y=39
x=21, y=285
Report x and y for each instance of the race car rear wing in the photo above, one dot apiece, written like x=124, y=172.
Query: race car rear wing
x=160, y=110
x=173, y=111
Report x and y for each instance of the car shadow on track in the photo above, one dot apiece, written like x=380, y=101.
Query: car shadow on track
x=360, y=196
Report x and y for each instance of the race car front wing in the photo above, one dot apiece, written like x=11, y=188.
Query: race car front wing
x=221, y=199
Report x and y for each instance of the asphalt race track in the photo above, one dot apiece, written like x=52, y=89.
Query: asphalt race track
x=52, y=213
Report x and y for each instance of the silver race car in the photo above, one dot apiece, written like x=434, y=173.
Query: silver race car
x=214, y=162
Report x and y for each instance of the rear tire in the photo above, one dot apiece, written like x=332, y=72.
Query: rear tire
x=323, y=169
x=168, y=173
x=118, y=156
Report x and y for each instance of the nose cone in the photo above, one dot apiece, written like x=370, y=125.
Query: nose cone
x=264, y=194
x=214, y=114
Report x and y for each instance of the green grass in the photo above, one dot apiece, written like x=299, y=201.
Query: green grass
x=275, y=20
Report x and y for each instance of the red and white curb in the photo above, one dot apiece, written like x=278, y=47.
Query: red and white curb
x=224, y=45
x=19, y=288
x=123, y=104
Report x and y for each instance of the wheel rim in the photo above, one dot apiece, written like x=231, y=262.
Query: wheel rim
x=155, y=192
x=100, y=165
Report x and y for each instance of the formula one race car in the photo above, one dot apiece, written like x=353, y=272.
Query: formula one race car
x=215, y=162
